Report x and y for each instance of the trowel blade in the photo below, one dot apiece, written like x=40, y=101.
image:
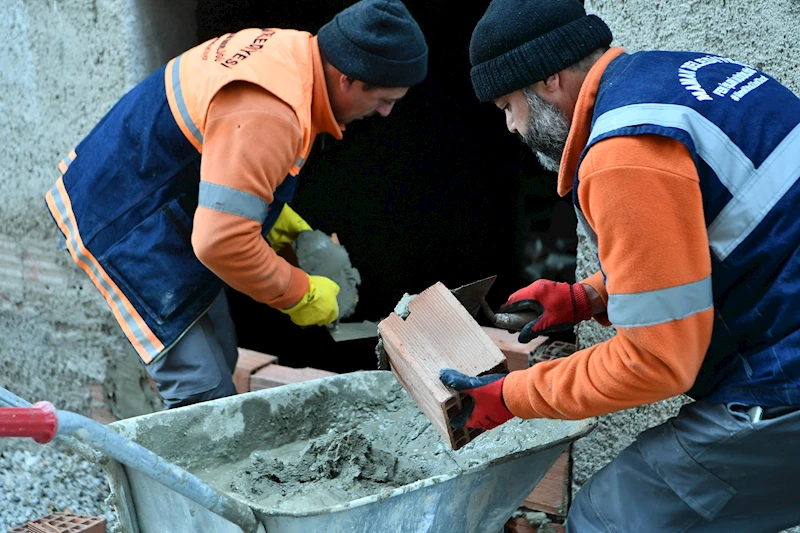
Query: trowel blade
x=347, y=331
x=473, y=295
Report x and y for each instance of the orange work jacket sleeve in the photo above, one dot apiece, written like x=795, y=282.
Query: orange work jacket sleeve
x=641, y=196
x=250, y=144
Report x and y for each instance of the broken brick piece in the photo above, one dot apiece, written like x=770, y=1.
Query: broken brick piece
x=249, y=362
x=519, y=525
x=98, y=411
x=552, y=494
x=275, y=375
x=438, y=333
x=63, y=523
x=555, y=350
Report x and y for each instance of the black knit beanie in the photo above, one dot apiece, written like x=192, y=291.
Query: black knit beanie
x=377, y=42
x=519, y=42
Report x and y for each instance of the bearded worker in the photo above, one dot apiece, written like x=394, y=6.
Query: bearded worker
x=183, y=187
x=683, y=168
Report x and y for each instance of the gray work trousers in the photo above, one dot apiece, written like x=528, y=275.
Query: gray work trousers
x=199, y=367
x=708, y=469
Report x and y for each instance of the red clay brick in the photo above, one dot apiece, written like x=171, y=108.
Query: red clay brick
x=275, y=375
x=249, y=363
x=552, y=494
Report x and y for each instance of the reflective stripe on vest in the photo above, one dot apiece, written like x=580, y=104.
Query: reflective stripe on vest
x=232, y=201
x=649, y=308
x=183, y=118
x=754, y=191
x=147, y=345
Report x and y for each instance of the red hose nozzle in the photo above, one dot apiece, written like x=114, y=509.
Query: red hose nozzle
x=39, y=422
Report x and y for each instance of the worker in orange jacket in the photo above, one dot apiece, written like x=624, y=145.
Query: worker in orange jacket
x=183, y=187
x=685, y=175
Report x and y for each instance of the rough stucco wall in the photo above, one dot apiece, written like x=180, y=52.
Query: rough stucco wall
x=762, y=33
x=66, y=63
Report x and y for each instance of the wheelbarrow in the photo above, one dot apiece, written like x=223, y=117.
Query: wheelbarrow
x=182, y=470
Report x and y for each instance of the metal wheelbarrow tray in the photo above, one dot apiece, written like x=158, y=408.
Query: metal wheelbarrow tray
x=347, y=453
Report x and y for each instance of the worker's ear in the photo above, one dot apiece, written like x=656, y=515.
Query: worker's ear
x=346, y=83
x=552, y=83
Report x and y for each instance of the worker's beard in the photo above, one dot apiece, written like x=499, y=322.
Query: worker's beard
x=546, y=131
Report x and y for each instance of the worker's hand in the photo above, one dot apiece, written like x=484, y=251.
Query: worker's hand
x=561, y=306
x=286, y=228
x=318, y=305
x=486, y=410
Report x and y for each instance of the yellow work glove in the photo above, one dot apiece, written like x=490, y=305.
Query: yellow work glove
x=318, y=305
x=286, y=228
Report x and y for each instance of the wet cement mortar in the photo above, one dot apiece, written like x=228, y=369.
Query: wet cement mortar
x=380, y=447
x=323, y=444
x=318, y=255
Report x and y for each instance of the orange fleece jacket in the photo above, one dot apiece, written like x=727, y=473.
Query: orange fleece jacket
x=642, y=198
x=251, y=141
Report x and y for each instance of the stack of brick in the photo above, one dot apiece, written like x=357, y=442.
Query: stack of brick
x=552, y=495
x=257, y=371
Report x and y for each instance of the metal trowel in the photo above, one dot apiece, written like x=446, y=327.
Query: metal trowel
x=348, y=331
x=473, y=297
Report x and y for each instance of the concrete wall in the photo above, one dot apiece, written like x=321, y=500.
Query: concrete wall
x=65, y=63
x=759, y=32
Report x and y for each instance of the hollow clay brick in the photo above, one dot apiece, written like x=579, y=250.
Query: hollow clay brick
x=63, y=523
x=438, y=333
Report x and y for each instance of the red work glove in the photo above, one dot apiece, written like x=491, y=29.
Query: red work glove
x=561, y=306
x=487, y=410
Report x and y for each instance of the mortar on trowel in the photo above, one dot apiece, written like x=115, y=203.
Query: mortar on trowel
x=346, y=453
x=322, y=255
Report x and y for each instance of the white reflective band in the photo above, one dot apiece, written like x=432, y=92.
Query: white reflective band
x=233, y=201
x=766, y=187
x=754, y=191
x=656, y=307
x=181, y=103
x=713, y=146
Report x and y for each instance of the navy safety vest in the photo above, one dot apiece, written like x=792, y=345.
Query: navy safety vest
x=742, y=129
x=127, y=194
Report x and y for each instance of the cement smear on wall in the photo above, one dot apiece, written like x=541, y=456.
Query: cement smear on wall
x=318, y=255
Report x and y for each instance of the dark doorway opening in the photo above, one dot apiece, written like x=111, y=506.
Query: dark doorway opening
x=438, y=191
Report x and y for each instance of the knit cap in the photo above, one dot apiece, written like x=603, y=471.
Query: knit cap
x=377, y=42
x=519, y=42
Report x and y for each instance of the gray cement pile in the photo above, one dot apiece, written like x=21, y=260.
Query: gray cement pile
x=370, y=445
